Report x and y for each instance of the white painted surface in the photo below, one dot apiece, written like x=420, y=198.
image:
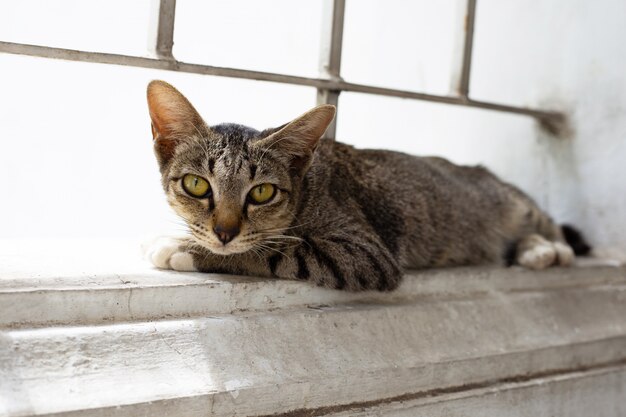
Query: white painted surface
x=568, y=54
x=127, y=340
x=77, y=160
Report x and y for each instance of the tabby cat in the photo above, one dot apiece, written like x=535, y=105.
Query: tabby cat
x=284, y=203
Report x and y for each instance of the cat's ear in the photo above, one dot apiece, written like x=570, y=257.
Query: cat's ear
x=173, y=119
x=298, y=139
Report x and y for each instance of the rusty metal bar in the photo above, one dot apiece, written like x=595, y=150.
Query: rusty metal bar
x=466, y=66
x=162, y=28
x=325, y=84
x=330, y=56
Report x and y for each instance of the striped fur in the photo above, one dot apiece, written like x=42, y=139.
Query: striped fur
x=342, y=217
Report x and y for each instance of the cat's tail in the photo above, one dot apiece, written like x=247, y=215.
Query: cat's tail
x=575, y=239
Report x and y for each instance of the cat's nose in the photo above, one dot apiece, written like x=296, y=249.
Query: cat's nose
x=225, y=233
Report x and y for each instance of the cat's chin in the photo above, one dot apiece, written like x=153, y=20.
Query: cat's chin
x=221, y=249
x=226, y=250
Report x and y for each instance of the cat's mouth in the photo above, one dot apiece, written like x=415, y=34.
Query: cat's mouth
x=250, y=242
x=218, y=248
x=204, y=239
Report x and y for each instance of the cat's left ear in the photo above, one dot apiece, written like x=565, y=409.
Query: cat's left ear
x=299, y=138
x=173, y=119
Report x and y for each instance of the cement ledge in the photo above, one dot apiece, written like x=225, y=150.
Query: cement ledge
x=571, y=394
x=122, y=339
x=99, y=282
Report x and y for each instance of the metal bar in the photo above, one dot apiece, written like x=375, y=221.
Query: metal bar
x=467, y=48
x=325, y=96
x=337, y=85
x=330, y=55
x=162, y=28
x=332, y=38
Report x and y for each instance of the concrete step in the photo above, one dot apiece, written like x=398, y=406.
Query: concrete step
x=87, y=328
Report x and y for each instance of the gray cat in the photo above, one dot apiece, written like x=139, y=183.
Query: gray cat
x=284, y=203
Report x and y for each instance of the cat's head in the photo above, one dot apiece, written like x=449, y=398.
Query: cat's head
x=237, y=188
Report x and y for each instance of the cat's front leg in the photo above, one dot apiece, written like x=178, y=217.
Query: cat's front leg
x=351, y=262
x=185, y=255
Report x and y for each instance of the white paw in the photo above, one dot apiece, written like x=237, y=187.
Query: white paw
x=565, y=254
x=540, y=256
x=166, y=253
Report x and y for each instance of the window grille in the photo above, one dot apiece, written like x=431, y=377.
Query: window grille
x=329, y=84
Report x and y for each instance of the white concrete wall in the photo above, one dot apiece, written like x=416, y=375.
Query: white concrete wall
x=76, y=157
x=572, y=55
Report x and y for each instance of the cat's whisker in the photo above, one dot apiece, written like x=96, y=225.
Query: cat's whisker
x=275, y=234
x=258, y=254
x=293, y=240
x=281, y=240
x=288, y=227
x=269, y=248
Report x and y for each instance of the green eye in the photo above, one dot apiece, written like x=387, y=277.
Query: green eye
x=262, y=193
x=196, y=186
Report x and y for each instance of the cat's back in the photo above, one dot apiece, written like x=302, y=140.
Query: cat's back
x=398, y=171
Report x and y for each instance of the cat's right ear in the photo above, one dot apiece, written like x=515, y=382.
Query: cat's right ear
x=173, y=119
x=299, y=138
